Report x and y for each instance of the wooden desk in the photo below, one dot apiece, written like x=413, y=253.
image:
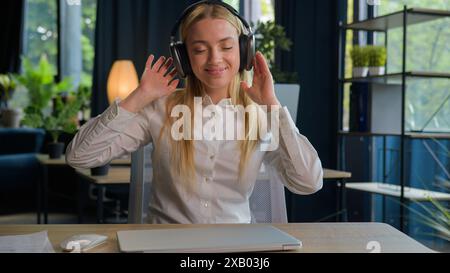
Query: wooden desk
x=315, y=237
x=42, y=192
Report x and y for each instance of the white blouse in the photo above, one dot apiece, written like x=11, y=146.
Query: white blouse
x=218, y=196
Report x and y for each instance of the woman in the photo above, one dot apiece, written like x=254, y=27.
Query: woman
x=201, y=181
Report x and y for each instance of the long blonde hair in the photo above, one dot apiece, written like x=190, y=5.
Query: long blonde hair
x=182, y=152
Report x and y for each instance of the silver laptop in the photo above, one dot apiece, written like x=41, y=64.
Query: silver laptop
x=247, y=238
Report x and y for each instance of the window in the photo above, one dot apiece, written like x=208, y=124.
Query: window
x=233, y=3
x=254, y=10
x=89, y=12
x=427, y=100
x=41, y=34
x=348, y=69
x=267, y=10
x=41, y=38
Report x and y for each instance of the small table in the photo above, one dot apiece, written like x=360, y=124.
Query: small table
x=45, y=161
x=413, y=194
x=341, y=176
x=115, y=176
x=315, y=237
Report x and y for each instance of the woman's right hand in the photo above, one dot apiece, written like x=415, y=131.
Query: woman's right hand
x=156, y=82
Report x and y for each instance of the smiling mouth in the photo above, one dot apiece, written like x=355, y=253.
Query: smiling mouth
x=216, y=71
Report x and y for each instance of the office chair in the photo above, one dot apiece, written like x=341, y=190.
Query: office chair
x=267, y=202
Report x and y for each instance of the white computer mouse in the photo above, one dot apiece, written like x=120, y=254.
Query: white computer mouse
x=82, y=242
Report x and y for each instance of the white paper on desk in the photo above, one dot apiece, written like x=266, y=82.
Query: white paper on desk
x=28, y=243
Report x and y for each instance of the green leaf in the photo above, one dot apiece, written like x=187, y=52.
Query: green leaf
x=46, y=108
x=269, y=37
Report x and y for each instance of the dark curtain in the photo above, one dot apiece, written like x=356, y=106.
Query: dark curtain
x=130, y=30
x=313, y=27
x=11, y=21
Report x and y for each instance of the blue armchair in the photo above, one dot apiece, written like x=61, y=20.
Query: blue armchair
x=19, y=169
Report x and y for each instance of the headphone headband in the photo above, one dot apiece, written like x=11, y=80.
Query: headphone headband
x=208, y=2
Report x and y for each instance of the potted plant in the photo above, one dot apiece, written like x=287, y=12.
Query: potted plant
x=62, y=119
x=377, y=60
x=268, y=37
x=100, y=170
x=10, y=117
x=47, y=108
x=360, y=60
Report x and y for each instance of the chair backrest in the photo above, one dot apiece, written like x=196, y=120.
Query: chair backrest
x=289, y=96
x=267, y=201
x=140, y=184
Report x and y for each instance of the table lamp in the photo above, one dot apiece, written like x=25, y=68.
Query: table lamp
x=122, y=80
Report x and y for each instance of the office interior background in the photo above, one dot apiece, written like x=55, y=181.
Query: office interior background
x=389, y=129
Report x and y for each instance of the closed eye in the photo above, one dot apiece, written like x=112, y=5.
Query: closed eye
x=198, y=51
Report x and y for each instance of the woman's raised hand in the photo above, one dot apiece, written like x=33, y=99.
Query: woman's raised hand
x=158, y=80
x=262, y=89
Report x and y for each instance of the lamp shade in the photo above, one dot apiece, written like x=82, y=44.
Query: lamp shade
x=122, y=80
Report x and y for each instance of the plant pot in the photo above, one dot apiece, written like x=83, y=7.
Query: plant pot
x=10, y=118
x=55, y=150
x=359, y=72
x=101, y=170
x=376, y=70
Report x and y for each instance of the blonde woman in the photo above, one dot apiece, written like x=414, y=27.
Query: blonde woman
x=198, y=180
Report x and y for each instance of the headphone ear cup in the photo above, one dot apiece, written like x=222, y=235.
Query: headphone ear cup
x=185, y=63
x=247, y=51
x=251, y=51
x=180, y=57
x=242, y=52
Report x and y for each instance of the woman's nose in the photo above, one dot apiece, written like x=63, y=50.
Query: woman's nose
x=215, y=56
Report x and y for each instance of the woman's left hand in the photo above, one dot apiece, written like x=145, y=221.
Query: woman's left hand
x=262, y=89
